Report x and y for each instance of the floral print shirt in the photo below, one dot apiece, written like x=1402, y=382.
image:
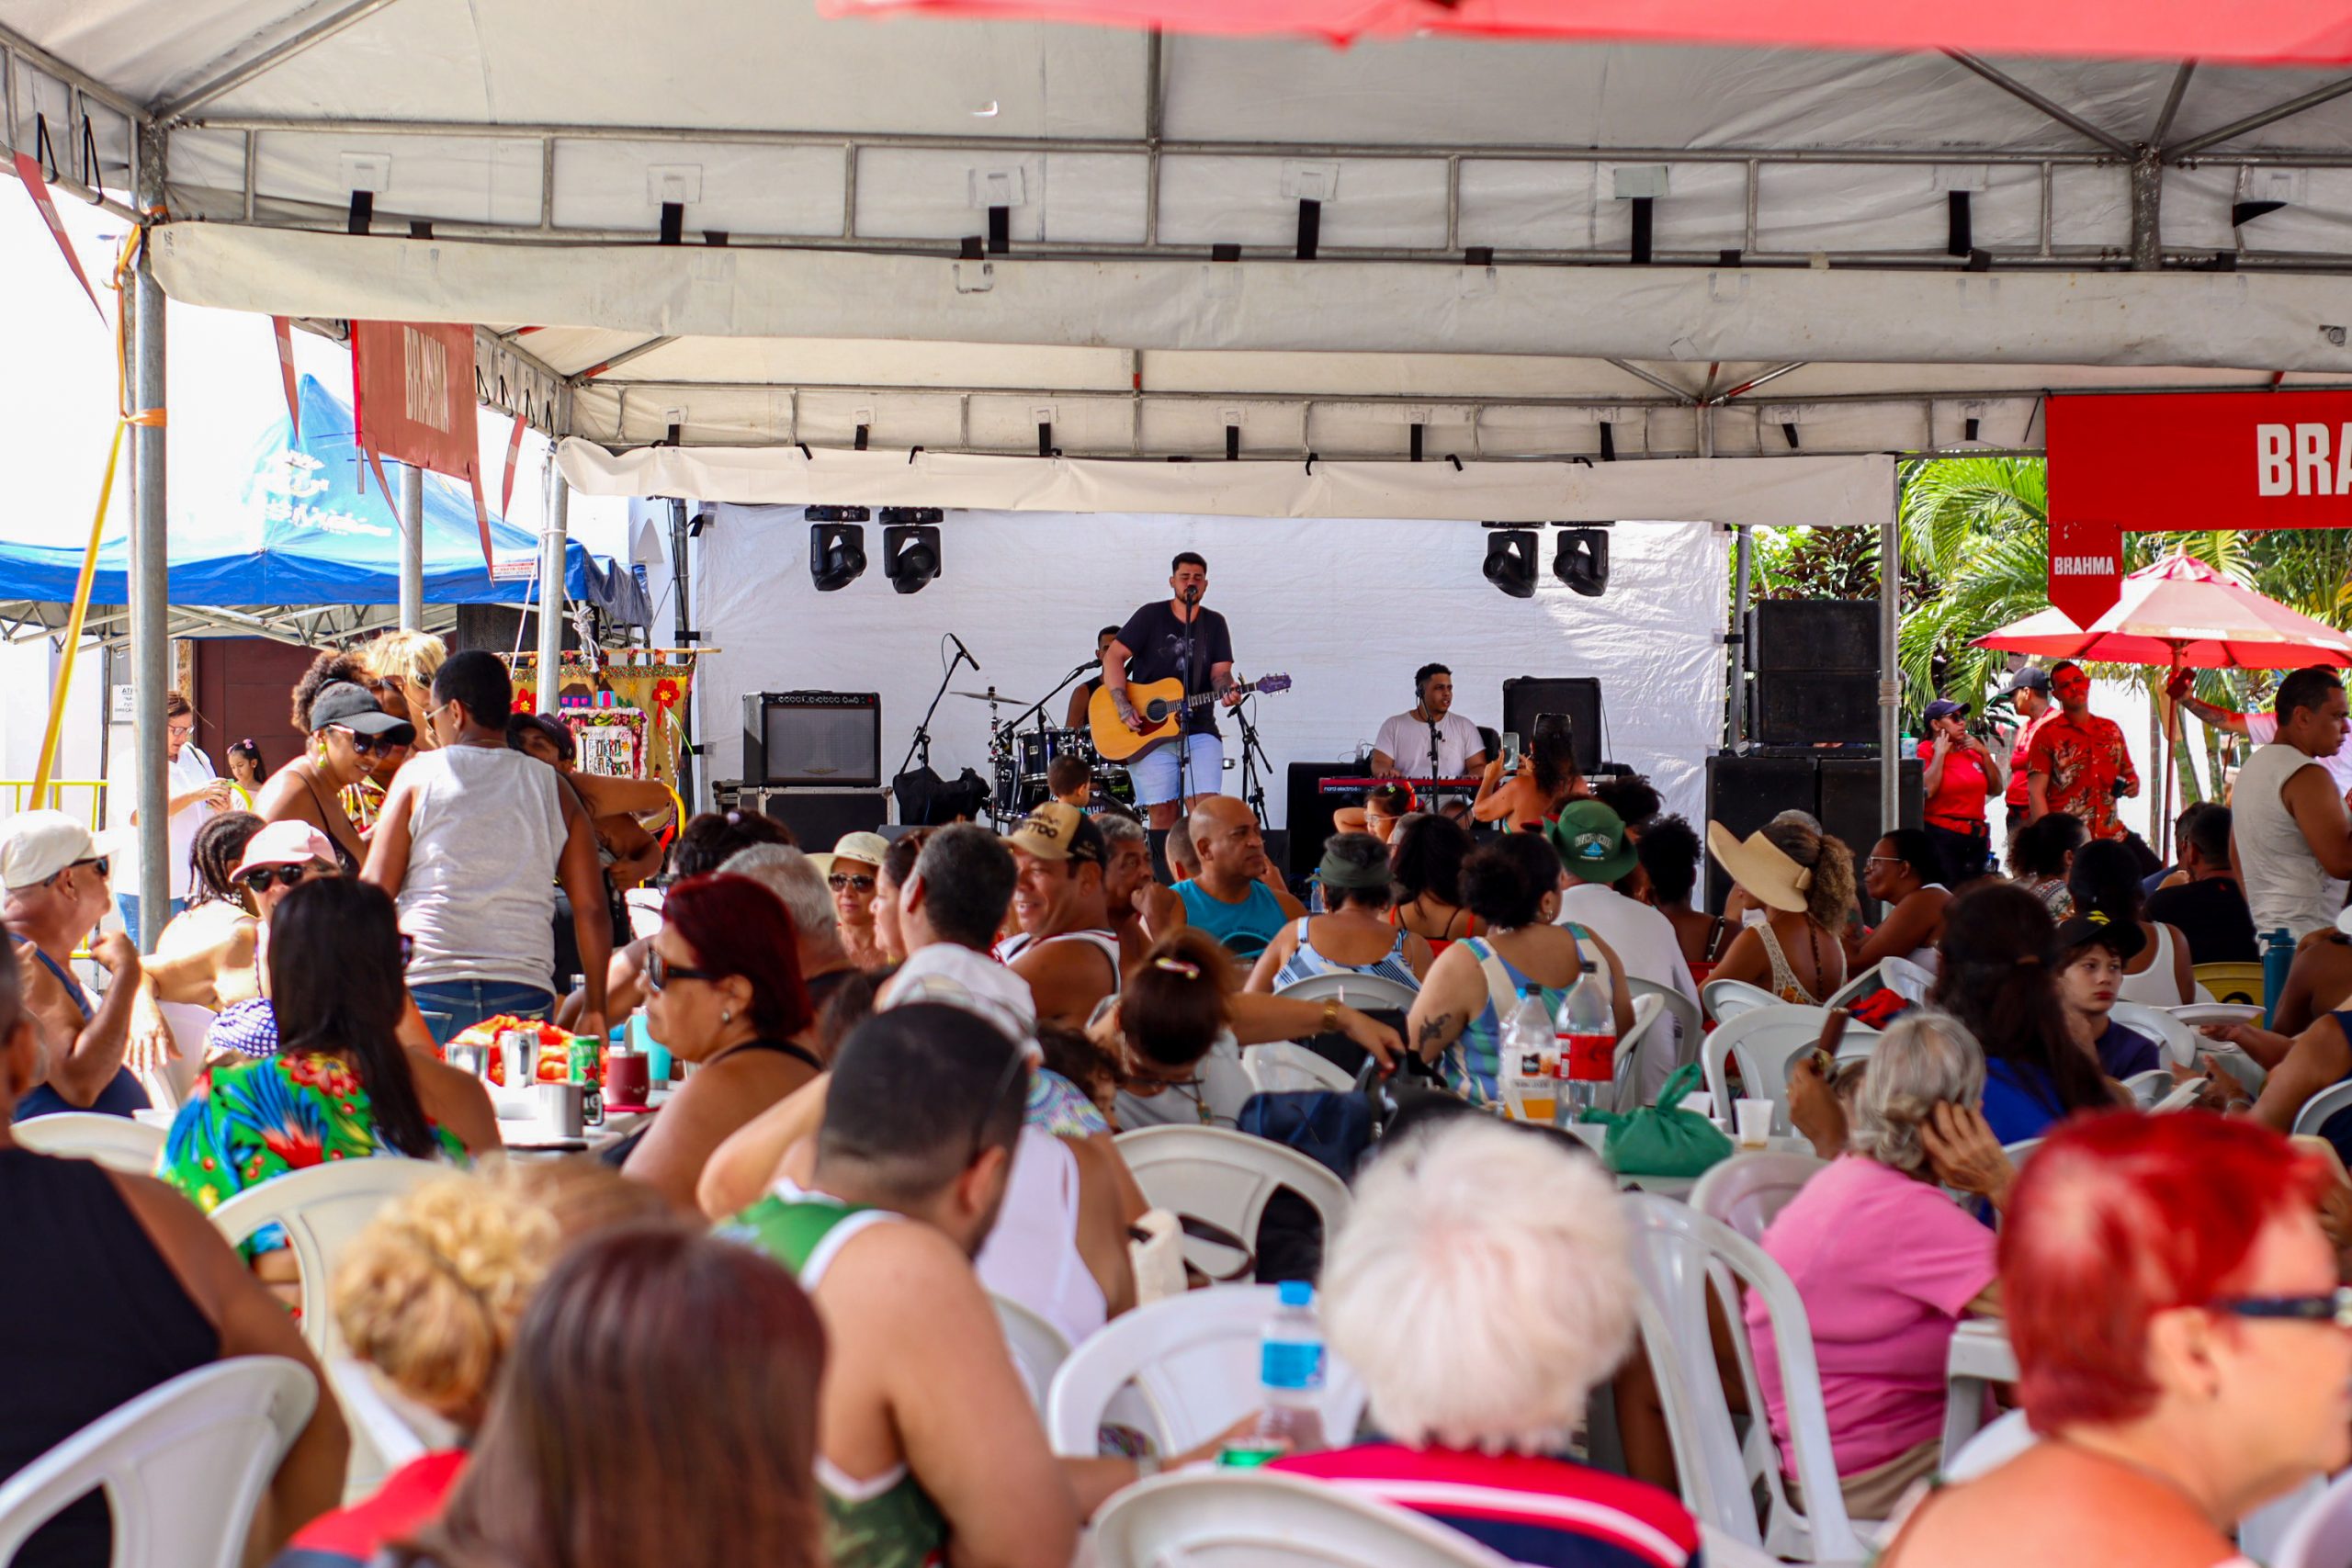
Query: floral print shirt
x=2084, y=760
x=247, y=1121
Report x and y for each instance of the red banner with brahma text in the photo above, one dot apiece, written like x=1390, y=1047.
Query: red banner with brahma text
x=2186, y=460
x=413, y=396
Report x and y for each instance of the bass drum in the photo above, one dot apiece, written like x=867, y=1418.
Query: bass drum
x=1037, y=753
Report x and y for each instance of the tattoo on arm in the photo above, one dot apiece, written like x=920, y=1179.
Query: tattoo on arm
x=1435, y=1031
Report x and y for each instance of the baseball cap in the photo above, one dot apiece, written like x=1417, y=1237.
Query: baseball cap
x=353, y=708
x=1944, y=707
x=37, y=845
x=2032, y=678
x=284, y=843
x=1059, y=831
x=1591, y=840
x=871, y=849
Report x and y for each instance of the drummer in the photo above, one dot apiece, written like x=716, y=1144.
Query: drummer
x=1069, y=778
x=1074, y=718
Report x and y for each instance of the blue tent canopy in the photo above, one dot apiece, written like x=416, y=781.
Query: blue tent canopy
x=302, y=531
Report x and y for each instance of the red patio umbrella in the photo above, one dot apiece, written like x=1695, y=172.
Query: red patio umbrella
x=2181, y=613
x=2245, y=31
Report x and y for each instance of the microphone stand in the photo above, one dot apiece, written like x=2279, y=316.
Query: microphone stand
x=1435, y=773
x=922, y=730
x=1038, y=709
x=1253, y=787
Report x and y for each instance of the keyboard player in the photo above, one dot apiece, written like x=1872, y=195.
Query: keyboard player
x=1429, y=740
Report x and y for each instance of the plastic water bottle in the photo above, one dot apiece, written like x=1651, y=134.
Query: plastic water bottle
x=2278, y=957
x=1290, y=1372
x=1587, y=1044
x=1524, y=1073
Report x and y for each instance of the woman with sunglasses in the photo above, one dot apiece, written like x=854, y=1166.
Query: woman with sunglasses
x=349, y=731
x=2181, y=1343
x=854, y=872
x=340, y=1086
x=210, y=958
x=723, y=992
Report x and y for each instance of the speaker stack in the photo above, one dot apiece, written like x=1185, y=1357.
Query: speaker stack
x=1744, y=793
x=1816, y=671
x=813, y=762
x=1579, y=697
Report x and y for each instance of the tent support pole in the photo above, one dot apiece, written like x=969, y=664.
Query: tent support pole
x=1742, y=581
x=1890, y=676
x=680, y=533
x=551, y=551
x=412, y=547
x=151, y=645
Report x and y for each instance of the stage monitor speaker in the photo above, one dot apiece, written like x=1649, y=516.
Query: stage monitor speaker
x=1802, y=636
x=1309, y=811
x=1579, y=697
x=832, y=740
x=1814, y=707
x=819, y=819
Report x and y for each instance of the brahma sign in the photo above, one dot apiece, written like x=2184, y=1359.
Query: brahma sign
x=2186, y=460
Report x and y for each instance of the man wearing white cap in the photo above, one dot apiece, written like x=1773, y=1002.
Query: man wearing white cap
x=56, y=889
x=851, y=871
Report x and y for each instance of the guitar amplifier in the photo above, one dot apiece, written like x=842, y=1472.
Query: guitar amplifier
x=819, y=819
x=827, y=739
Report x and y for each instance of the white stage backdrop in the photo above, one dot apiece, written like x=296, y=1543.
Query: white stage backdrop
x=1347, y=608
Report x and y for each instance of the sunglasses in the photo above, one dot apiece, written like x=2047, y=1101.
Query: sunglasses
x=369, y=745
x=2330, y=1306
x=102, y=864
x=840, y=880
x=660, y=972
x=262, y=878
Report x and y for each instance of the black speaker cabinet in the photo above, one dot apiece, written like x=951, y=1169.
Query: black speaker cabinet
x=1579, y=697
x=832, y=740
x=1744, y=793
x=1805, y=634
x=1849, y=801
x=819, y=819
x=1811, y=707
x=1309, y=811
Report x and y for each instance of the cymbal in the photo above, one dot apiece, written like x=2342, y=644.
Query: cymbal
x=990, y=696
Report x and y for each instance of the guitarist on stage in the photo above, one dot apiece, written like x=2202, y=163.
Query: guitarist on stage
x=1177, y=639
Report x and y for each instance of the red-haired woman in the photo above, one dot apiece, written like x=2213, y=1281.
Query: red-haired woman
x=2176, y=1316
x=723, y=991
x=659, y=1406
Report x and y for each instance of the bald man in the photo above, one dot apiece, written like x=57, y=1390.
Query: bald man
x=1230, y=900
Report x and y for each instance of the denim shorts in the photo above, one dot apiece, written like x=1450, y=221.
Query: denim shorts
x=1155, y=776
x=452, y=1007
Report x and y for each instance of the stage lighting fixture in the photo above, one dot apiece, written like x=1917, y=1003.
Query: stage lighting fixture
x=836, y=546
x=910, y=545
x=1510, y=560
x=1581, y=559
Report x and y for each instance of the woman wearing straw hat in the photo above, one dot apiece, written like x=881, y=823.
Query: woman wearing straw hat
x=1805, y=879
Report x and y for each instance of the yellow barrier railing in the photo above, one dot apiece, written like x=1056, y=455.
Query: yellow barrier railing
x=56, y=793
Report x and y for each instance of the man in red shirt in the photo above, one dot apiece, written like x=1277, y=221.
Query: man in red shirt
x=2030, y=688
x=2078, y=763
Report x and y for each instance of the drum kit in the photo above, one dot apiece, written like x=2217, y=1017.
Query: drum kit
x=1019, y=757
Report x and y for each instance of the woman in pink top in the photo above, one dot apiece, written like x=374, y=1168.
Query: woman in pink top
x=1886, y=1263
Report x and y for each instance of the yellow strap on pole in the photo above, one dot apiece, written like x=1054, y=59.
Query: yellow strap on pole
x=74, y=622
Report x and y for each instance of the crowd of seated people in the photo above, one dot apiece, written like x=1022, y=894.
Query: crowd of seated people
x=771, y=1304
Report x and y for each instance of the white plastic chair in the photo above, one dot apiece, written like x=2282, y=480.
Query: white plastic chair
x=1254, y=1518
x=1685, y=1012
x=372, y=1414
x=2323, y=1105
x=1283, y=1065
x=2181, y=1099
x=1906, y=977
x=2320, y=1536
x=1225, y=1176
x=119, y=1143
x=1726, y=999
x=2020, y=1151
x=1678, y=1254
x=1857, y=987
x=1747, y=1192
x=1766, y=1040
x=184, y=1465
x=322, y=1209
x=2149, y=1087
x=1191, y=1362
x=1358, y=991
x=1625, y=1075
x=2178, y=1039
x=1989, y=1450
x=2262, y=1534
x=1038, y=1347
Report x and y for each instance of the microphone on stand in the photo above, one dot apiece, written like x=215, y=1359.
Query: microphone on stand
x=964, y=653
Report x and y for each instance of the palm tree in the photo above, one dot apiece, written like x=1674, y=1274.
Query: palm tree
x=1979, y=529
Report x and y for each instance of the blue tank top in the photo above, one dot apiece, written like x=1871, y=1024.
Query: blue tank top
x=122, y=1094
x=1244, y=928
x=1306, y=963
x=1472, y=1065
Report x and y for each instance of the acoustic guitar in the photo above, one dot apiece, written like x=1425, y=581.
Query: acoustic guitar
x=1163, y=708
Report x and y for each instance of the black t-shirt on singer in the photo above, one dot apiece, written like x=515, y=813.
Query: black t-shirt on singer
x=1156, y=637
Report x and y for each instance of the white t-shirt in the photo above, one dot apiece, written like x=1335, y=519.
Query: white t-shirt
x=1406, y=739
x=1644, y=943
x=190, y=770
x=2262, y=729
x=958, y=977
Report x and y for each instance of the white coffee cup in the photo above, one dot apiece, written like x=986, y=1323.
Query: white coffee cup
x=1701, y=1102
x=1754, y=1118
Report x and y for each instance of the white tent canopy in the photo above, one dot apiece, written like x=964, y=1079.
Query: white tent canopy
x=842, y=166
